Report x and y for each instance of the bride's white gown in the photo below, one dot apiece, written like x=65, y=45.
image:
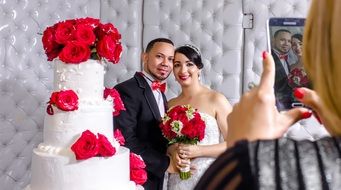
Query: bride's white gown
x=212, y=136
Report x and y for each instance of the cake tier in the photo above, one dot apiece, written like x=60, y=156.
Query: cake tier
x=63, y=128
x=86, y=78
x=59, y=172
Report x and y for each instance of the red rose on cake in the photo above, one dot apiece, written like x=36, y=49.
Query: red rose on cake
x=74, y=52
x=105, y=148
x=66, y=100
x=138, y=173
x=78, y=40
x=119, y=137
x=118, y=103
x=88, y=146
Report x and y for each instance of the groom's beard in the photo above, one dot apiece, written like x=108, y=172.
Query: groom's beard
x=157, y=77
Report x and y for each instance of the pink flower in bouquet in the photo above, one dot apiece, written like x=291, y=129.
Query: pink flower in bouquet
x=78, y=40
x=138, y=173
x=119, y=137
x=118, y=103
x=105, y=148
x=86, y=146
x=298, y=78
x=66, y=100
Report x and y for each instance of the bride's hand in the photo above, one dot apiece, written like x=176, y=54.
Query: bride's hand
x=188, y=151
x=255, y=116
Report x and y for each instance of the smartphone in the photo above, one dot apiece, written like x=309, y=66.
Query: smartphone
x=285, y=40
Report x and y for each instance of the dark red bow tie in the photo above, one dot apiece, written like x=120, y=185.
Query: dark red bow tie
x=158, y=85
x=285, y=57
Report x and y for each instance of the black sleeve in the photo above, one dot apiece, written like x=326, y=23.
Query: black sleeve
x=156, y=162
x=231, y=170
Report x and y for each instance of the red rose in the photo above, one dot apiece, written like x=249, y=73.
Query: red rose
x=64, y=32
x=53, y=98
x=105, y=147
x=93, y=22
x=139, y=176
x=118, y=103
x=136, y=161
x=51, y=47
x=67, y=100
x=167, y=131
x=84, y=34
x=86, y=146
x=117, y=54
x=75, y=52
x=108, y=29
x=106, y=47
x=119, y=137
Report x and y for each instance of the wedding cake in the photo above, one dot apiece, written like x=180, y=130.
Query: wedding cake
x=54, y=164
x=79, y=150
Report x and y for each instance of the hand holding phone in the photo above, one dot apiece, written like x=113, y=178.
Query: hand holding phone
x=285, y=40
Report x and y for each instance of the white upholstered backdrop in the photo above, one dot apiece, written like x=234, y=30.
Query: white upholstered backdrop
x=230, y=34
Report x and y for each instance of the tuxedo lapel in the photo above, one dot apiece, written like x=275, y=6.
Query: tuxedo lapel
x=165, y=102
x=280, y=71
x=149, y=96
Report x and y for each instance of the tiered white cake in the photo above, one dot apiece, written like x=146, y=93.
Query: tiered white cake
x=54, y=165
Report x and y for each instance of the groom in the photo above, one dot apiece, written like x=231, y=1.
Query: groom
x=145, y=103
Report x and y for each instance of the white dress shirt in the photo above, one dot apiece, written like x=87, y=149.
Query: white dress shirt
x=157, y=93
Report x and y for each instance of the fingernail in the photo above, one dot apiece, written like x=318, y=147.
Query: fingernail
x=264, y=54
x=298, y=93
x=306, y=114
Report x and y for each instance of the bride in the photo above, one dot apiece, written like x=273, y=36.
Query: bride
x=213, y=108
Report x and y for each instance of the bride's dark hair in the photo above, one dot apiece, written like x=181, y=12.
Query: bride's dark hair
x=192, y=53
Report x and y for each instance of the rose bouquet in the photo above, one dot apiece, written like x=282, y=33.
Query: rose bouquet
x=298, y=78
x=77, y=40
x=183, y=124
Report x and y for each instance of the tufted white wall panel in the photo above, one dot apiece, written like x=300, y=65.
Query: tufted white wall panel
x=214, y=26
x=126, y=15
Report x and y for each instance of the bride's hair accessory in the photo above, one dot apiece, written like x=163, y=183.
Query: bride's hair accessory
x=194, y=48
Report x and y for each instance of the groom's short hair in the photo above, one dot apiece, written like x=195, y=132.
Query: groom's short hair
x=151, y=43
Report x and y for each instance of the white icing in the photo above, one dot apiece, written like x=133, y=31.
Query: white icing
x=63, y=128
x=54, y=166
x=56, y=172
x=86, y=78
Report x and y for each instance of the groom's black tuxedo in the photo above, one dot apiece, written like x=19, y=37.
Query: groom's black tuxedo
x=139, y=125
x=283, y=91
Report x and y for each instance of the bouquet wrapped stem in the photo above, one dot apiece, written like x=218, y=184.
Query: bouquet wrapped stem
x=185, y=173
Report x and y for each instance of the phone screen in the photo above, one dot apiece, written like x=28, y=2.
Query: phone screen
x=285, y=41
